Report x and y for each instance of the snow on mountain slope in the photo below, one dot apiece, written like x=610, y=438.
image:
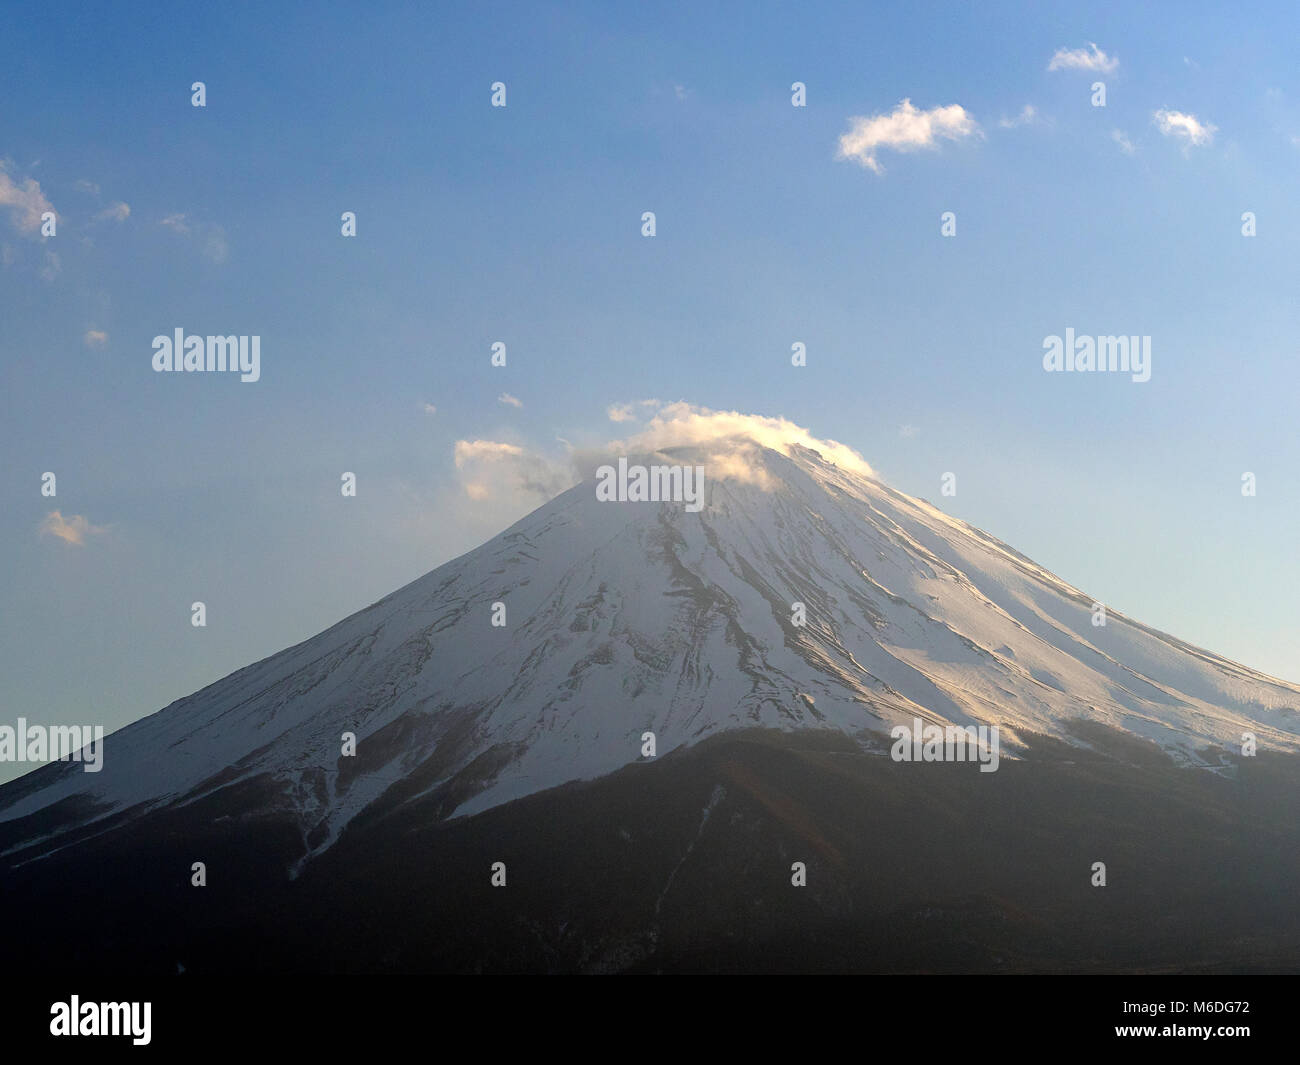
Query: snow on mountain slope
x=627, y=617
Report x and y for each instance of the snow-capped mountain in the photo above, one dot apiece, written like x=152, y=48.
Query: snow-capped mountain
x=623, y=618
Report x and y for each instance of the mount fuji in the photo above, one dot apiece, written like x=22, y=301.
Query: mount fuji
x=621, y=619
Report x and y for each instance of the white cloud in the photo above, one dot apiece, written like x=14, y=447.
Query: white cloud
x=25, y=200
x=73, y=531
x=1185, y=127
x=730, y=436
x=509, y=400
x=905, y=129
x=469, y=450
x=1125, y=145
x=176, y=223
x=429, y=408
x=1090, y=58
x=95, y=338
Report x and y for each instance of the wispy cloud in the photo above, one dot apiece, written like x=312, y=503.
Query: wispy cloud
x=95, y=338
x=1125, y=145
x=215, y=246
x=508, y=473
x=1184, y=127
x=508, y=400
x=1091, y=58
x=114, y=212
x=211, y=238
x=51, y=267
x=1028, y=117
x=70, y=531
x=907, y=431
x=626, y=412
x=24, y=199
x=429, y=408
x=905, y=129
x=469, y=450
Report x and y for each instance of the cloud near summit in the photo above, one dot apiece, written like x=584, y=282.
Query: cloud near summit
x=523, y=477
x=490, y=469
x=683, y=424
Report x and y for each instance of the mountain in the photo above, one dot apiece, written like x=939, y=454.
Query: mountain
x=627, y=618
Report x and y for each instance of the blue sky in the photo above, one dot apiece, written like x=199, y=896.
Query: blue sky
x=523, y=224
